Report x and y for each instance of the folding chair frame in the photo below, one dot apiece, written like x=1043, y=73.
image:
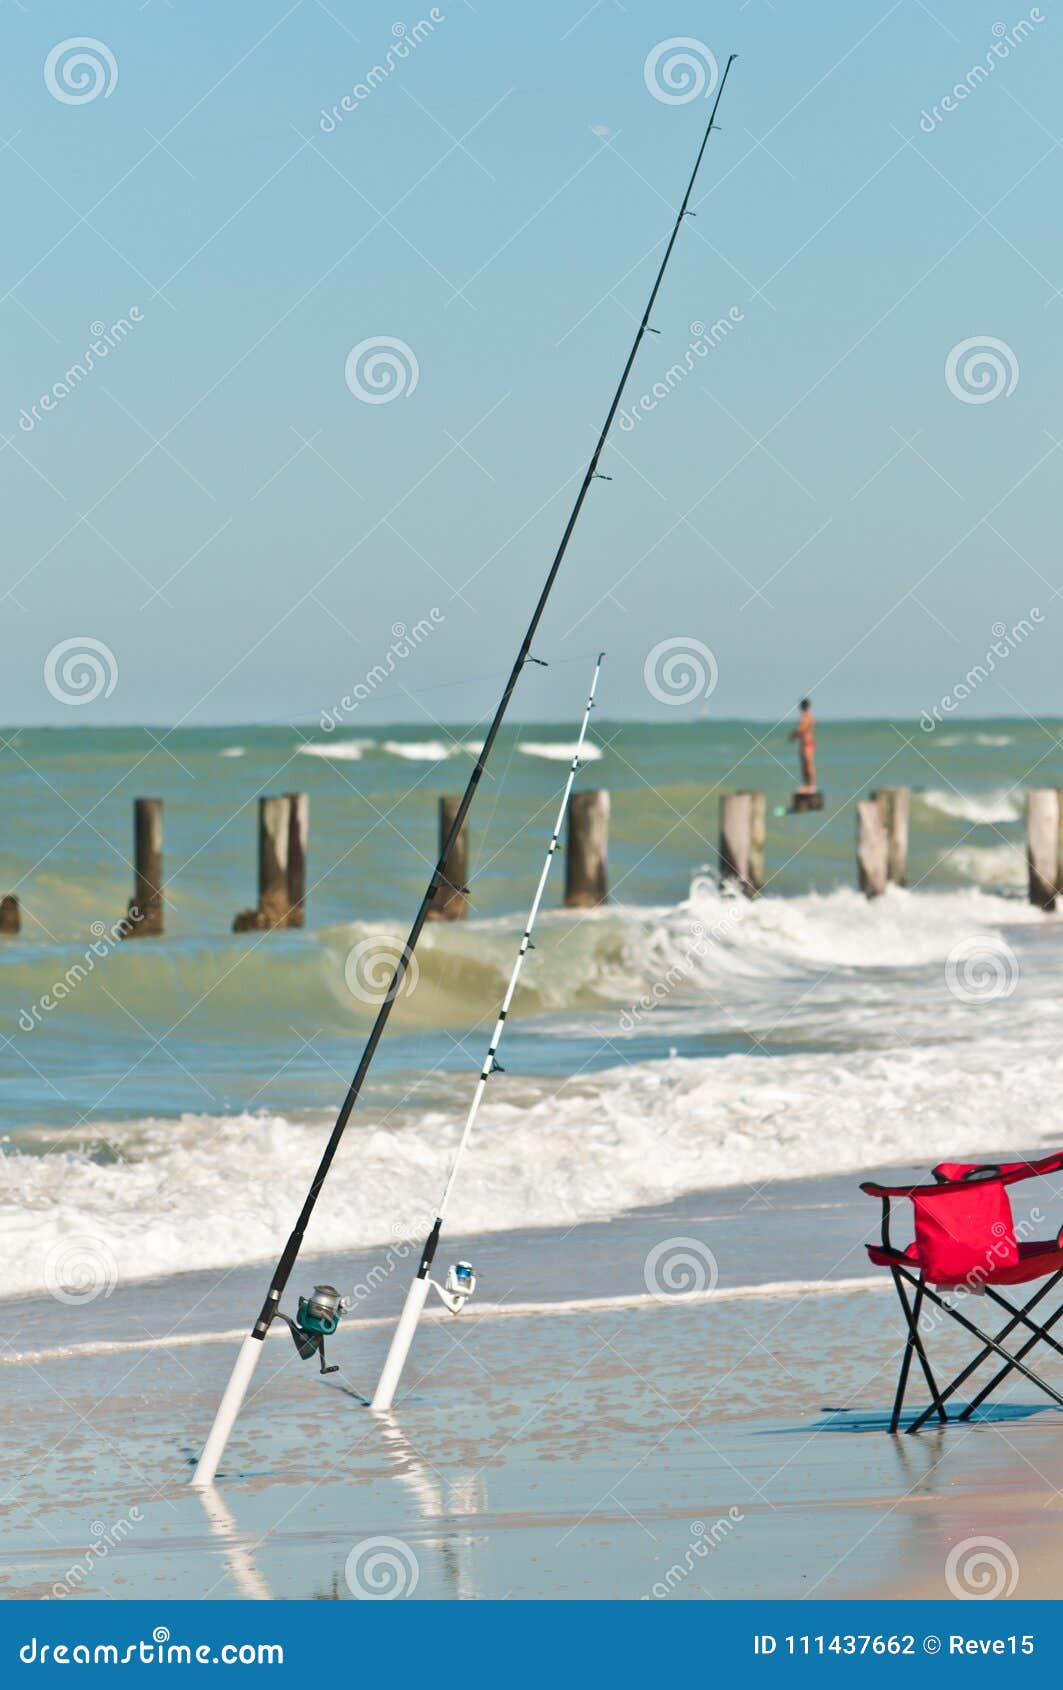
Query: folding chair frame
x=990, y=1346
x=908, y=1276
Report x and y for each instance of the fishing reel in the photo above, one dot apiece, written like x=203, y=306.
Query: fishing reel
x=317, y=1319
x=459, y=1287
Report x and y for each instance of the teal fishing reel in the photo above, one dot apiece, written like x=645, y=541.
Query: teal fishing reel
x=318, y=1318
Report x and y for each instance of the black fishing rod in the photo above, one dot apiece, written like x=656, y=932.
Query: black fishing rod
x=319, y=1315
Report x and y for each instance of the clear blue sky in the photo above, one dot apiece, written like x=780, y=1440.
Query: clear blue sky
x=769, y=507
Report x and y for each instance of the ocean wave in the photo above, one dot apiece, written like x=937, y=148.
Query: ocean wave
x=233, y=751
x=337, y=750
x=978, y=807
x=421, y=751
x=545, y=1154
x=953, y=740
x=989, y=865
x=559, y=753
x=583, y=960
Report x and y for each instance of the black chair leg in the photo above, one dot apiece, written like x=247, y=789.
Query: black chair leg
x=914, y=1343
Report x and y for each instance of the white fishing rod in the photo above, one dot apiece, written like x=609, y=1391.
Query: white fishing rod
x=461, y=1281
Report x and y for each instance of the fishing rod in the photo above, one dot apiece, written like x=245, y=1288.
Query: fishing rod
x=319, y=1315
x=461, y=1281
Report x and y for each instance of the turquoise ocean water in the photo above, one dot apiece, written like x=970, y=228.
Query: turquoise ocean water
x=676, y=1038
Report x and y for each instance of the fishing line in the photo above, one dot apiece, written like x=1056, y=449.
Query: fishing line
x=326, y=1301
x=461, y=1281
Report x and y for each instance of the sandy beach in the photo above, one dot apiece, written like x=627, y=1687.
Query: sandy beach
x=727, y=1446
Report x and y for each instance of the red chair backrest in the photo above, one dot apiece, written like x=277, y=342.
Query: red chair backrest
x=965, y=1234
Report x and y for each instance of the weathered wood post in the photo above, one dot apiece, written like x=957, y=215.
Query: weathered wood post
x=587, y=852
x=298, y=840
x=1042, y=845
x=451, y=902
x=283, y=827
x=894, y=802
x=872, y=848
x=757, y=831
x=144, y=913
x=10, y=915
x=742, y=826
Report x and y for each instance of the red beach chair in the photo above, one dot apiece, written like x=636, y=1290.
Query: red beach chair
x=965, y=1240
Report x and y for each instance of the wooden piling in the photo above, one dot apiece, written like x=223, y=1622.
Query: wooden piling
x=283, y=828
x=298, y=841
x=742, y=827
x=144, y=913
x=451, y=902
x=1042, y=845
x=586, y=857
x=894, y=803
x=872, y=848
x=10, y=916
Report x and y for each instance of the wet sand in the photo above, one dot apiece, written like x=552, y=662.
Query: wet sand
x=730, y=1445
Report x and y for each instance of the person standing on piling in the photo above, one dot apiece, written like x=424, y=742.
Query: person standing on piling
x=805, y=732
